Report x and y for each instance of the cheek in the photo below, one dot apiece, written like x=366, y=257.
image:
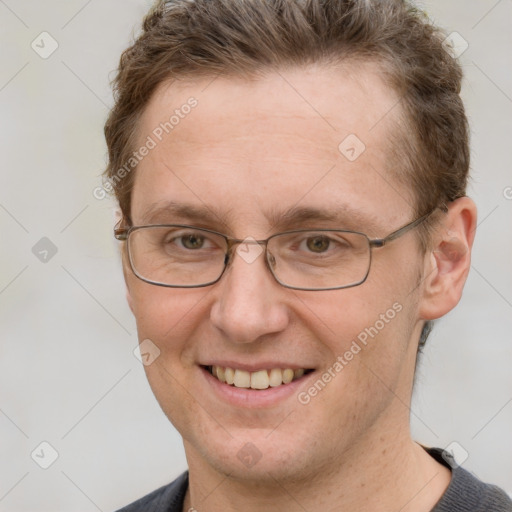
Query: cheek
x=343, y=315
x=166, y=316
x=369, y=326
x=169, y=318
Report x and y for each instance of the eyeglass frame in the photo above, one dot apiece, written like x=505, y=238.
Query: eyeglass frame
x=122, y=234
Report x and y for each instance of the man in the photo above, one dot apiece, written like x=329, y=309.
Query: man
x=291, y=176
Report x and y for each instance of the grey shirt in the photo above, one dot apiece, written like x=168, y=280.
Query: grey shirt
x=464, y=494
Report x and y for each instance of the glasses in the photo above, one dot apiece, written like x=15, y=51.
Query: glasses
x=181, y=256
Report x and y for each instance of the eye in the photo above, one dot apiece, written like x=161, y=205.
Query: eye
x=187, y=240
x=324, y=244
x=192, y=241
x=318, y=244
x=321, y=245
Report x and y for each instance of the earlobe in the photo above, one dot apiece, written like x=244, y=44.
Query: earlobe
x=449, y=260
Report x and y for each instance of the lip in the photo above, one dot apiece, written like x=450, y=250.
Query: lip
x=253, y=398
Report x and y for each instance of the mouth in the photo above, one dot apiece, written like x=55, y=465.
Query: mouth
x=258, y=380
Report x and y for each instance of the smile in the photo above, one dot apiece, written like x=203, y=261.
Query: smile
x=261, y=379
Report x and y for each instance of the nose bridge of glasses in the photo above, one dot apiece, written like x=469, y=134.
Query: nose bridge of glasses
x=232, y=242
x=248, y=249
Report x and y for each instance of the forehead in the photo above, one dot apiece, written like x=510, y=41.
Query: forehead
x=254, y=146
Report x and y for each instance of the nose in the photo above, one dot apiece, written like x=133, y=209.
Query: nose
x=249, y=302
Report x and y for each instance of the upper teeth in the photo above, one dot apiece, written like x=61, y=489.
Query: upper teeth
x=262, y=379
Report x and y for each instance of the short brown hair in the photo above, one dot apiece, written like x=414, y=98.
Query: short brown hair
x=199, y=38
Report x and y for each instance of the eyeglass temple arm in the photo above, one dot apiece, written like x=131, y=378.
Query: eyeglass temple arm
x=121, y=234
x=379, y=242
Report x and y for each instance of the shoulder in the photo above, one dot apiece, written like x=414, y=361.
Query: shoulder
x=168, y=498
x=466, y=493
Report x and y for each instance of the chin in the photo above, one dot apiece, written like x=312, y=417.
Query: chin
x=253, y=454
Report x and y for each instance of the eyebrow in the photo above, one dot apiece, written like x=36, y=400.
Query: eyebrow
x=343, y=217
x=297, y=217
x=159, y=213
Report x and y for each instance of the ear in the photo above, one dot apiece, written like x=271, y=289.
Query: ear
x=129, y=298
x=448, y=261
x=127, y=272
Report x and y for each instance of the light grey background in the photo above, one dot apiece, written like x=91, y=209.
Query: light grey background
x=68, y=375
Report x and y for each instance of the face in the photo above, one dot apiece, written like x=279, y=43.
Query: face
x=246, y=154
